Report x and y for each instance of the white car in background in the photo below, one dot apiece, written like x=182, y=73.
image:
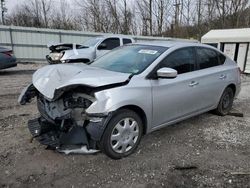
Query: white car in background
x=86, y=52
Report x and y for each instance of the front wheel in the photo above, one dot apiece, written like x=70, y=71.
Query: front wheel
x=122, y=135
x=226, y=102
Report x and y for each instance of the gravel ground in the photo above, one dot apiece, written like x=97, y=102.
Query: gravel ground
x=216, y=150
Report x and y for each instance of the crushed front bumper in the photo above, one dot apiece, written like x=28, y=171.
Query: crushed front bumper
x=51, y=135
x=73, y=140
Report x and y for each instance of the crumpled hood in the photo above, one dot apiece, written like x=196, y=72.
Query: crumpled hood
x=77, y=53
x=53, y=77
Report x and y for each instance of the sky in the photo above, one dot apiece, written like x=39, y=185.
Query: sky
x=10, y=4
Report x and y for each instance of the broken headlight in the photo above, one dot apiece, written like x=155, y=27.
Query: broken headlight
x=56, y=56
x=77, y=102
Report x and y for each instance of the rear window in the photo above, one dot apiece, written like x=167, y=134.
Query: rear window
x=222, y=58
x=208, y=58
x=126, y=41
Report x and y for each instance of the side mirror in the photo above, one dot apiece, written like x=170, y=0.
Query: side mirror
x=166, y=73
x=102, y=46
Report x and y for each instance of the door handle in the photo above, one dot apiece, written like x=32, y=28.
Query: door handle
x=193, y=83
x=223, y=76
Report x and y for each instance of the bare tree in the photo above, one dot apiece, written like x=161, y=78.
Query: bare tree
x=113, y=15
x=145, y=8
x=46, y=7
x=94, y=15
x=237, y=11
x=178, y=18
x=222, y=9
x=159, y=12
x=186, y=12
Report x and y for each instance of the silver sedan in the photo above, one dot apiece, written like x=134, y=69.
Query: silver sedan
x=131, y=91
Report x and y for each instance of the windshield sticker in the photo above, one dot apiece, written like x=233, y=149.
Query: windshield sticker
x=151, y=52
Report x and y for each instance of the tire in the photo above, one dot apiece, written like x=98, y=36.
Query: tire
x=85, y=61
x=226, y=102
x=122, y=135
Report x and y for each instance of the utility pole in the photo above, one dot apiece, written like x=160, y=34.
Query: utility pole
x=177, y=12
x=150, y=17
x=3, y=10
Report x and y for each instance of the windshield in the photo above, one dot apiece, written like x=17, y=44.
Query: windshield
x=129, y=59
x=91, y=42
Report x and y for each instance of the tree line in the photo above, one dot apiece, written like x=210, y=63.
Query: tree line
x=172, y=18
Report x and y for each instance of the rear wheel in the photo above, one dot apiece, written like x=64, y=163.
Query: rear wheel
x=226, y=102
x=122, y=135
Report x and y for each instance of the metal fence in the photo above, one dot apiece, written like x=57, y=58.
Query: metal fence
x=30, y=44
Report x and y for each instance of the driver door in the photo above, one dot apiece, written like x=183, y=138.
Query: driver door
x=107, y=45
x=174, y=98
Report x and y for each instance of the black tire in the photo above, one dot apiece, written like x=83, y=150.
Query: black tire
x=106, y=143
x=226, y=102
x=85, y=61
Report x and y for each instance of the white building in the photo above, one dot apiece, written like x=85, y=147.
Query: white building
x=234, y=43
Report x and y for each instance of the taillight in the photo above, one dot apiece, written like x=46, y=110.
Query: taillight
x=8, y=53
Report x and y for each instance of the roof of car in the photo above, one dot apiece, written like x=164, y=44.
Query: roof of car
x=169, y=44
x=114, y=35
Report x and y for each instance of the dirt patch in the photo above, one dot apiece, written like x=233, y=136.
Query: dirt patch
x=229, y=134
x=218, y=147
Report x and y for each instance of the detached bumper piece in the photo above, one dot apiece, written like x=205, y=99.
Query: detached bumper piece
x=44, y=133
x=27, y=94
x=73, y=141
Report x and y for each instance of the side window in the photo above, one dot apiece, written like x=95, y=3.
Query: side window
x=111, y=43
x=126, y=41
x=182, y=60
x=207, y=58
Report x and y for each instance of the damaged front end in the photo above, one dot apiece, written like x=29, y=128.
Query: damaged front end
x=64, y=124
x=72, y=116
x=66, y=53
x=57, y=51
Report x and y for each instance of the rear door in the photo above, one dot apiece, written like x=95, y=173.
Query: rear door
x=212, y=76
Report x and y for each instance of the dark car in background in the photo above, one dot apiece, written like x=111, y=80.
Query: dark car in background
x=7, y=58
